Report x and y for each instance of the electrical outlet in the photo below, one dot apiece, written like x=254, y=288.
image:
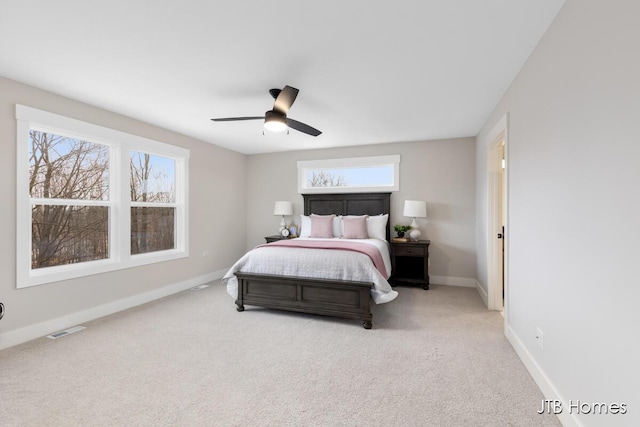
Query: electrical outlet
x=205, y=253
x=540, y=338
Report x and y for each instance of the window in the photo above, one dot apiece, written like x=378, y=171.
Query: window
x=153, y=206
x=359, y=174
x=92, y=199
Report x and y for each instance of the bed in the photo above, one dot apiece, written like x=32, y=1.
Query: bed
x=338, y=295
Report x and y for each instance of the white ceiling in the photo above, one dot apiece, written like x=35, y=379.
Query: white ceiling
x=369, y=71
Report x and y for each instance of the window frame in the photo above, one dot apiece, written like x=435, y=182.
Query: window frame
x=119, y=202
x=353, y=162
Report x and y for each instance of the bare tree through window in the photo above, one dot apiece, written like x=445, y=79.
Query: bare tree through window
x=63, y=170
x=357, y=174
x=152, y=182
x=324, y=178
x=69, y=189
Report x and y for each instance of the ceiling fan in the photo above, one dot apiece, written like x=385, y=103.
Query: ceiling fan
x=276, y=119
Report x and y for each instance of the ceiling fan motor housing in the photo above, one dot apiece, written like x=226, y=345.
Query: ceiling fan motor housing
x=275, y=115
x=275, y=120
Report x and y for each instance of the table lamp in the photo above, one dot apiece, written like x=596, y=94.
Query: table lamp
x=415, y=209
x=283, y=208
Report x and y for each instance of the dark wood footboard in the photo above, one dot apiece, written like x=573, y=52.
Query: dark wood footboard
x=347, y=299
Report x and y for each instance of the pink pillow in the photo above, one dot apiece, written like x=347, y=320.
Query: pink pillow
x=355, y=227
x=321, y=225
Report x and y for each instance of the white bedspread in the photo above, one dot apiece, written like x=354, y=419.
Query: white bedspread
x=318, y=263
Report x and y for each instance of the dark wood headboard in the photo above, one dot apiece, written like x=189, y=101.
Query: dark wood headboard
x=349, y=204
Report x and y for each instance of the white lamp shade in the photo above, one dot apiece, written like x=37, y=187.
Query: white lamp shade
x=415, y=208
x=283, y=208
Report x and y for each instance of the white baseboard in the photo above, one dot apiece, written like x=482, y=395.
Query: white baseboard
x=483, y=294
x=466, y=282
x=19, y=336
x=544, y=383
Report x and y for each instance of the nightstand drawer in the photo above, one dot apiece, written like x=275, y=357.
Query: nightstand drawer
x=400, y=250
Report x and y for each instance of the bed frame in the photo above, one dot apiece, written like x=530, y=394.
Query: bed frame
x=347, y=299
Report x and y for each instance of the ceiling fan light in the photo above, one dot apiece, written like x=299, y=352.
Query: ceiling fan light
x=274, y=122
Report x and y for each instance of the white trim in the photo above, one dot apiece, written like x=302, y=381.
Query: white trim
x=499, y=127
x=542, y=381
x=19, y=336
x=498, y=135
x=482, y=293
x=23, y=219
x=466, y=282
x=353, y=162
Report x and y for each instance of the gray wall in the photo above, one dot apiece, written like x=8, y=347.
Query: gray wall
x=574, y=174
x=440, y=172
x=217, y=204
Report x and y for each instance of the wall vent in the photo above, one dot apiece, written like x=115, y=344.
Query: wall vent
x=199, y=287
x=65, y=332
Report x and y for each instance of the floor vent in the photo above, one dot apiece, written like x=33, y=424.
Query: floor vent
x=199, y=287
x=68, y=331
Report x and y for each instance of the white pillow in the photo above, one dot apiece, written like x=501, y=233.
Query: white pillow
x=305, y=226
x=377, y=226
x=337, y=226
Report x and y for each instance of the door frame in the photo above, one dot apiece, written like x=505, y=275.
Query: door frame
x=496, y=203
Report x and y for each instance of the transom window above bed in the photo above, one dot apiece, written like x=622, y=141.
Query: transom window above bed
x=91, y=199
x=350, y=175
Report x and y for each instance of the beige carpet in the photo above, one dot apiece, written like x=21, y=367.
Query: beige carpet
x=433, y=358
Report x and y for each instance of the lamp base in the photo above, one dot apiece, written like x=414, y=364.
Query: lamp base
x=414, y=233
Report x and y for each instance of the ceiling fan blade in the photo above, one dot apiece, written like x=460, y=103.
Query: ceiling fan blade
x=299, y=126
x=274, y=92
x=285, y=99
x=236, y=119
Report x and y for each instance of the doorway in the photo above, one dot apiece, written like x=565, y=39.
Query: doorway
x=498, y=232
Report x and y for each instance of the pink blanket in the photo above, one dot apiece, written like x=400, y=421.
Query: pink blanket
x=341, y=245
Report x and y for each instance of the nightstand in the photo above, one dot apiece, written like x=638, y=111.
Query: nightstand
x=410, y=263
x=276, y=237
